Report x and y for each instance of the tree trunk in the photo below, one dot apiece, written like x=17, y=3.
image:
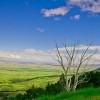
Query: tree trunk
x=75, y=82
x=67, y=83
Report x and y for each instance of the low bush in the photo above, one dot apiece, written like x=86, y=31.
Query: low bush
x=93, y=78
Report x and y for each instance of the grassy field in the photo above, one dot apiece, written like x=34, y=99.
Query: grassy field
x=21, y=77
x=16, y=78
x=82, y=94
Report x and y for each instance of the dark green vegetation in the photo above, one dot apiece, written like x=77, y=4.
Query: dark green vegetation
x=82, y=94
x=93, y=79
x=53, y=89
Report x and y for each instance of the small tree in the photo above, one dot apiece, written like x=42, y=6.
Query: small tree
x=76, y=58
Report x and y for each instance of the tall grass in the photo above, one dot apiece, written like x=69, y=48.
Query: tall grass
x=82, y=94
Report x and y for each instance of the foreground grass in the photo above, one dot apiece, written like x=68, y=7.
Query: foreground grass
x=82, y=94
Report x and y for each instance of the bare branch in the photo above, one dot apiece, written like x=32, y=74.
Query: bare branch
x=77, y=60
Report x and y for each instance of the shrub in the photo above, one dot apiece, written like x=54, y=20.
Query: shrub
x=53, y=89
x=93, y=78
x=34, y=92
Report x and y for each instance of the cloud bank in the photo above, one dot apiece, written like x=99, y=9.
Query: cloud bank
x=41, y=56
x=82, y=47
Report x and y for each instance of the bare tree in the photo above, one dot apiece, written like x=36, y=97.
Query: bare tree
x=75, y=61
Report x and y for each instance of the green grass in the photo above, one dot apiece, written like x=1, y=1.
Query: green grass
x=82, y=94
x=22, y=77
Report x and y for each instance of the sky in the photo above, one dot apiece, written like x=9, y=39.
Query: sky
x=35, y=25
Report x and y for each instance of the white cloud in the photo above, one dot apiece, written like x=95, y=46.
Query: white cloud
x=40, y=29
x=87, y=5
x=10, y=54
x=36, y=52
x=41, y=56
x=27, y=55
x=75, y=17
x=56, y=11
x=81, y=47
x=30, y=51
x=15, y=56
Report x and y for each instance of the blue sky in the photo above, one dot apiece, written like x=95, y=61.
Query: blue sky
x=38, y=23
x=29, y=28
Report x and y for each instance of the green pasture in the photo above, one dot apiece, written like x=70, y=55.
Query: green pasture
x=21, y=77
